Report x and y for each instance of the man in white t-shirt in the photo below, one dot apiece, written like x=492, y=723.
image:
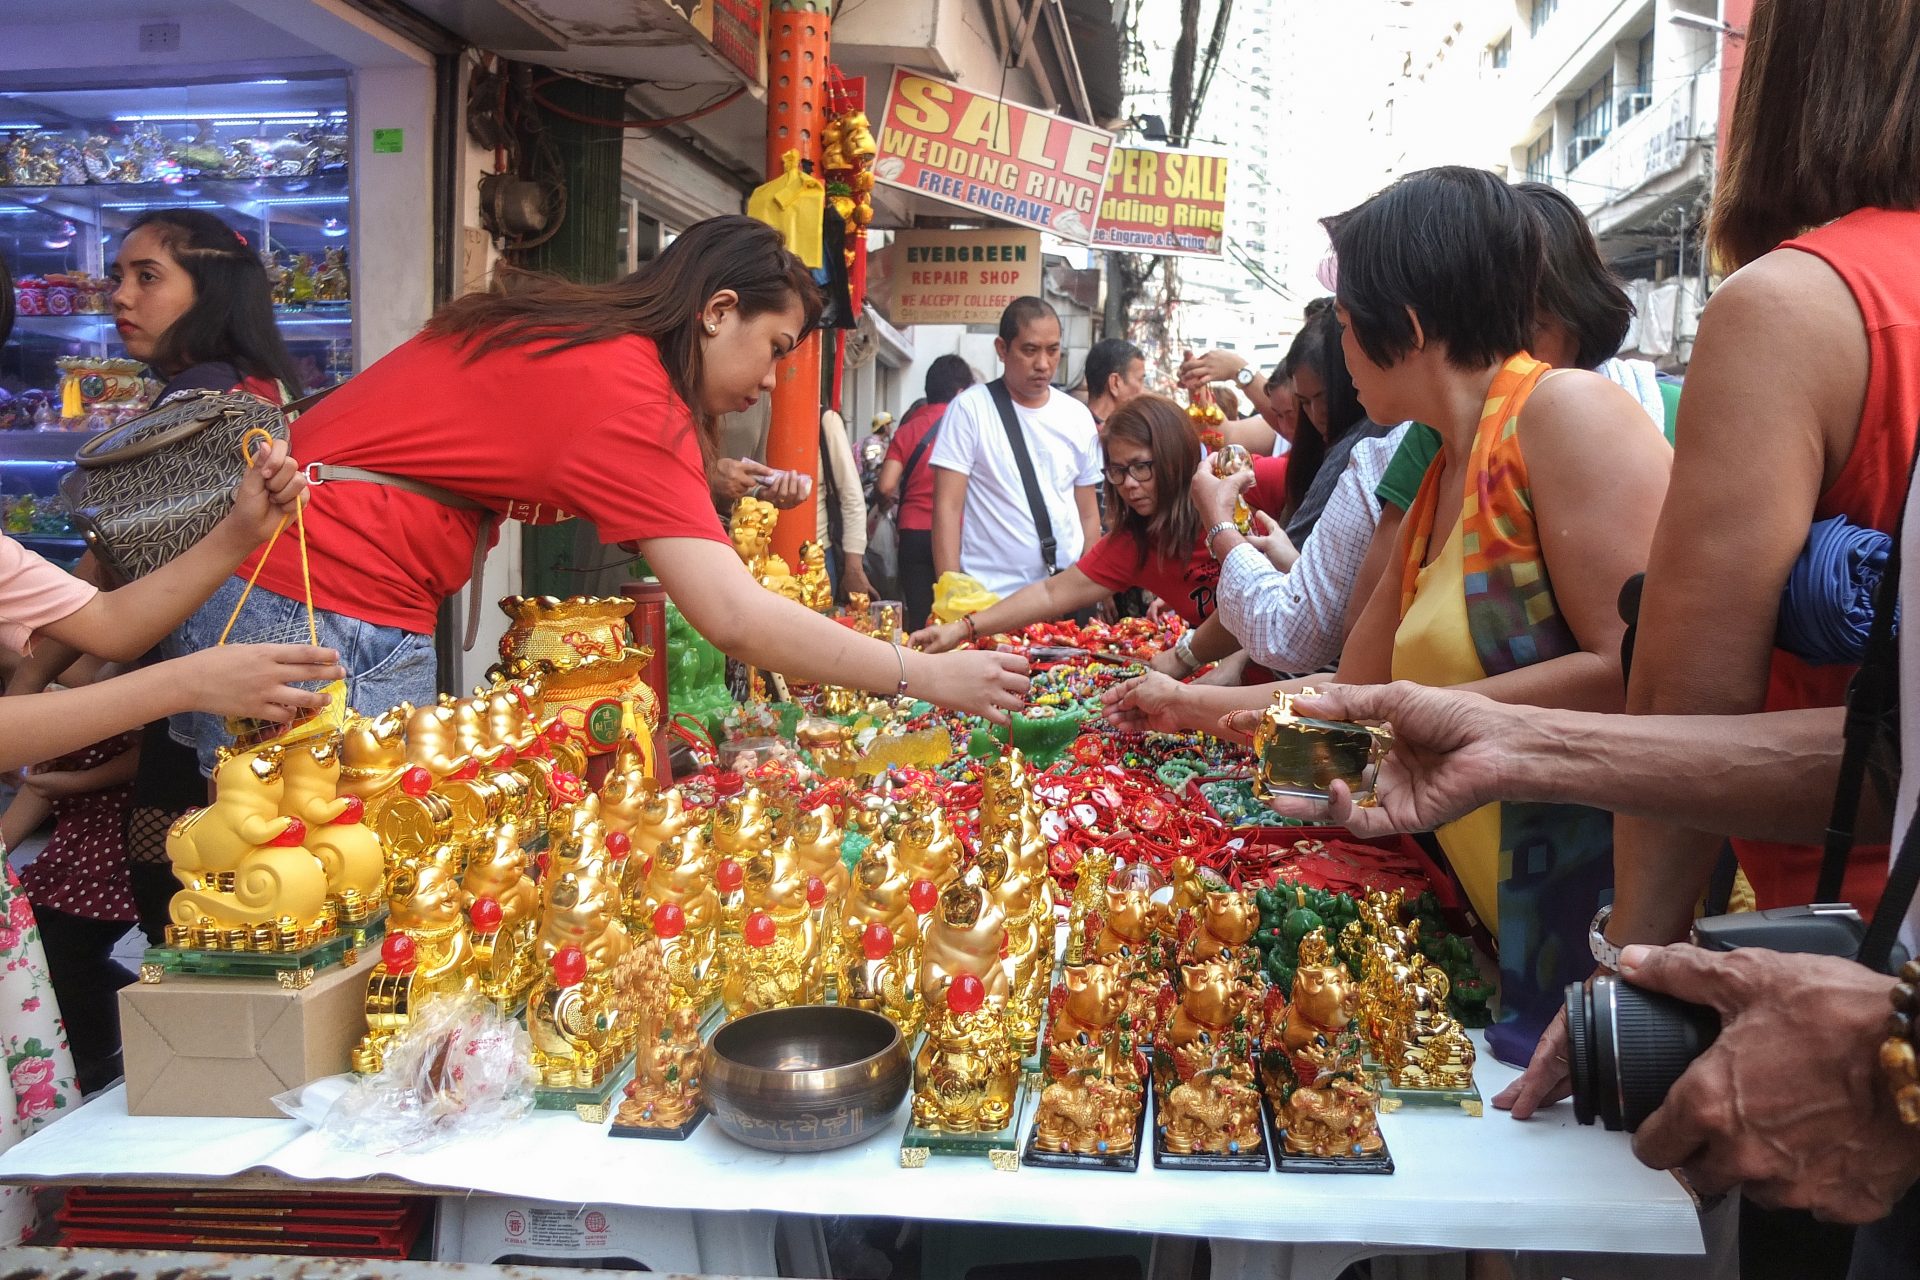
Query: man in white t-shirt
x=983, y=525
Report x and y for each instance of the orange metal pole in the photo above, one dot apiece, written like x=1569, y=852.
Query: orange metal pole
x=796, y=111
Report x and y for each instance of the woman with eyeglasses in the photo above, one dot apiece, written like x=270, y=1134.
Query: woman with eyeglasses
x=1155, y=538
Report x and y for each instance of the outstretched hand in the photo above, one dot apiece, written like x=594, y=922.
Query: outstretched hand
x=1444, y=763
x=1149, y=702
x=984, y=682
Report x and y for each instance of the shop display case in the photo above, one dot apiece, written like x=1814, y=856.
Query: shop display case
x=78, y=166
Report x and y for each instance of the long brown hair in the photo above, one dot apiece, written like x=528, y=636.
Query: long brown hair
x=1161, y=426
x=663, y=301
x=1826, y=121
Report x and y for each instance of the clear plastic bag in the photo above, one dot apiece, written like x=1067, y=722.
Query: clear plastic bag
x=460, y=1070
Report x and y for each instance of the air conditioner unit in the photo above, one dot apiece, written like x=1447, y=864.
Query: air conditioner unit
x=1633, y=104
x=1582, y=147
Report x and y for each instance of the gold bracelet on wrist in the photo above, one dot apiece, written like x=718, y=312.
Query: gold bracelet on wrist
x=1900, y=1051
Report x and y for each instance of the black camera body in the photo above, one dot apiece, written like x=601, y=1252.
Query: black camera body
x=1626, y=1046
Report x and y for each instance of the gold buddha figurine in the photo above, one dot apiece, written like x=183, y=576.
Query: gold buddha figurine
x=1313, y=1069
x=879, y=907
x=504, y=913
x=665, y=1090
x=816, y=589
x=966, y=1076
x=964, y=935
x=337, y=833
x=248, y=881
x=925, y=846
x=427, y=950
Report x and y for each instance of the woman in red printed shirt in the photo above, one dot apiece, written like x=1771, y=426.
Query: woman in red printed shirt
x=1155, y=541
x=552, y=401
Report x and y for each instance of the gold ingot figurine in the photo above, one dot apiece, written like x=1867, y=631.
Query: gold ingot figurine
x=1298, y=756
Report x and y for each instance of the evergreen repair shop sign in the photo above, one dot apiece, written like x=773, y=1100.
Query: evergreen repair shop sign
x=955, y=277
x=1164, y=202
x=999, y=158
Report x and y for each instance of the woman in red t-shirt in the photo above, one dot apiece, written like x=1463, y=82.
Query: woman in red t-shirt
x=907, y=477
x=553, y=400
x=1156, y=540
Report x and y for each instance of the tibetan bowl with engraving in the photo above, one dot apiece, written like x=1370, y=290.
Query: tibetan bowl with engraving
x=806, y=1079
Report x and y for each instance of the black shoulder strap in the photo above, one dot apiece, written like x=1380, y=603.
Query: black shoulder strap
x=919, y=452
x=1036, y=502
x=832, y=484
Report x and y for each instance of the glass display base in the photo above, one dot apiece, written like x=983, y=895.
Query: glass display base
x=1468, y=1100
x=677, y=1134
x=1379, y=1162
x=286, y=966
x=365, y=935
x=1126, y=1162
x=1001, y=1147
x=591, y=1105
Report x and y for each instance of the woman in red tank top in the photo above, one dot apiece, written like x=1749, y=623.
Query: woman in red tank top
x=1801, y=403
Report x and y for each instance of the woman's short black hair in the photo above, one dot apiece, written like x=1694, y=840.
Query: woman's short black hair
x=1577, y=287
x=1106, y=358
x=947, y=377
x=1455, y=246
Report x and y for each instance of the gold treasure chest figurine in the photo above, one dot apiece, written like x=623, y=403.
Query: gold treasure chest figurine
x=1298, y=756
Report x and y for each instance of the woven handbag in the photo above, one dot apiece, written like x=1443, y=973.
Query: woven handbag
x=143, y=492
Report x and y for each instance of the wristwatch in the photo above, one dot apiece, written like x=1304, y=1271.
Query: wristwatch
x=1225, y=526
x=1183, y=650
x=1604, y=952
x=1245, y=376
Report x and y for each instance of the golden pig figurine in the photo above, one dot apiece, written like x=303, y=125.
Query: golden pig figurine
x=503, y=932
x=427, y=951
x=678, y=875
x=775, y=962
x=573, y=1019
x=925, y=846
x=433, y=740
x=250, y=884
x=964, y=935
x=966, y=1075
x=1313, y=1072
x=580, y=907
x=337, y=832
x=373, y=755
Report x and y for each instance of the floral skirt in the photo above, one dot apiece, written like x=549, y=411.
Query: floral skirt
x=40, y=1086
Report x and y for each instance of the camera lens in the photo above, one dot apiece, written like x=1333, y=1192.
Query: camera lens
x=1627, y=1046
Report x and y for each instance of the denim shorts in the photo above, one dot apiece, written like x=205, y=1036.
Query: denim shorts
x=385, y=665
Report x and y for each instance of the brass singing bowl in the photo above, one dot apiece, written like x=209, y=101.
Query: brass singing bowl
x=811, y=1078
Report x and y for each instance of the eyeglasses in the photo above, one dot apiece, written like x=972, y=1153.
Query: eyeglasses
x=1116, y=472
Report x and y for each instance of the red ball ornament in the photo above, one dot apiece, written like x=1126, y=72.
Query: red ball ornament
x=728, y=875
x=508, y=758
x=467, y=772
x=292, y=838
x=816, y=891
x=877, y=942
x=669, y=921
x=923, y=895
x=557, y=731
x=759, y=930
x=485, y=914
x=619, y=844
x=397, y=953
x=537, y=749
x=356, y=811
x=569, y=966
x=966, y=993
x=416, y=782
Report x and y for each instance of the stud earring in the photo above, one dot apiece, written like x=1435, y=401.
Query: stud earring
x=712, y=328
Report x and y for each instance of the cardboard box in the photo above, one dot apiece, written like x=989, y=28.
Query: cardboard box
x=198, y=1046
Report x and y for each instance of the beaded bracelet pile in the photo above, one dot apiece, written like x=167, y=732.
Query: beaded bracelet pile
x=1898, y=1051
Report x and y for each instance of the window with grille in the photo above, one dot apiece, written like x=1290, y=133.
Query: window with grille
x=1640, y=96
x=1540, y=158
x=1539, y=13
x=1499, y=53
x=1592, y=120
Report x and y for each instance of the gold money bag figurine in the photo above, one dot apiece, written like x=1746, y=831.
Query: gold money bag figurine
x=879, y=907
x=925, y=846
x=964, y=935
x=966, y=1077
x=248, y=881
x=663, y=1099
x=504, y=913
x=427, y=951
x=573, y=1020
x=1324, y=1105
x=1298, y=756
x=337, y=832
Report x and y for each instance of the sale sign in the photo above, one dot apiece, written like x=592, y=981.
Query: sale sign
x=992, y=156
x=1164, y=202
x=955, y=277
